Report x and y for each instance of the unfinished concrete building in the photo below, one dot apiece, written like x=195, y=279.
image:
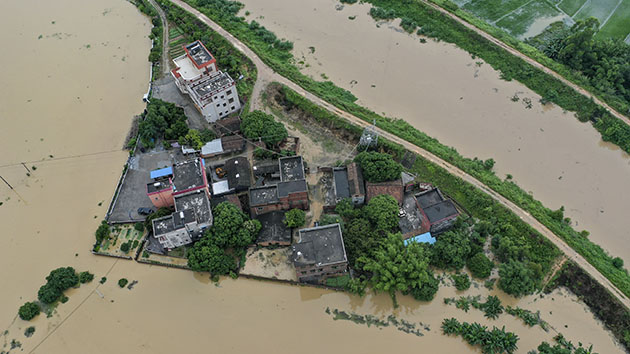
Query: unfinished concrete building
x=319, y=254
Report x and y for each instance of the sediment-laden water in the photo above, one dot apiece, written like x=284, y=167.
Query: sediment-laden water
x=73, y=92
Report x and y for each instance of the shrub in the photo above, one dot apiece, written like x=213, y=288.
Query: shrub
x=125, y=247
x=102, y=232
x=480, y=266
x=260, y=125
x=139, y=227
x=103, y=280
x=294, y=218
x=122, y=282
x=516, y=278
x=462, y=281
x=63, y=278
x=28, y=311
x=85, y=277
x=617, y=262
x=29, y=331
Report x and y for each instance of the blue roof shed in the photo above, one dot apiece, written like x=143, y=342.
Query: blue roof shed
x=166, y=171
x=423, y=238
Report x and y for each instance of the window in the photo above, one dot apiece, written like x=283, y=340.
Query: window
x=231, y=100
x=224, y=104
x=232, y=108
x=228, y=92
x=222, y=97
x=334, y=267
x=260, y=209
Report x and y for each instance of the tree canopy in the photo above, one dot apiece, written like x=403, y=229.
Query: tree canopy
x=480, y=266
x=295, y=218
x=451, y=249
x=162, y=119
x=258, y=124
x=396, y=267
x=28, y=311
x=382, y=211
x=378, y=167
x=516, y=278
x=224, y=242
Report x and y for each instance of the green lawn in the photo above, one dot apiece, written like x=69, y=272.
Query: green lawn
x=492, y=10
x=519, y=22
x=571, y=6
x=618, y=26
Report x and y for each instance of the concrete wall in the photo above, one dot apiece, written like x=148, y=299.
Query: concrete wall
x=162, y=199
x=321, y=272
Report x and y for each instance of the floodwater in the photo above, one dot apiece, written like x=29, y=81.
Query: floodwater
x=72, y=93
x=462, y=102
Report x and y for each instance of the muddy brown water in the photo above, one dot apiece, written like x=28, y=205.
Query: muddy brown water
x=71, y=93
x=462, y=101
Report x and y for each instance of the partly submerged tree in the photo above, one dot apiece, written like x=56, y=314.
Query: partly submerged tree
x=378, y=167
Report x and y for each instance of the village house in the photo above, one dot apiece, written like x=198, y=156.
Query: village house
x=291, y=192
x=394, y=188
x=223, y=145
x=426, y=214
x=187, y=224
x=273, y=231
x=319, y=254
x=348, y=183
x=212, y=91
x=179, y=179
x=231, y=177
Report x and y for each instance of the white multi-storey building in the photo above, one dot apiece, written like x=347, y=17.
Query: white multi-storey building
x=212, y=91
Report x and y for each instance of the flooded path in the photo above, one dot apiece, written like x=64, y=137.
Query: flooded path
x=83, y=109
x=461, y=101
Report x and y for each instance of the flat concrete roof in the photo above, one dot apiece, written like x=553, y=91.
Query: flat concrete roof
x=319, y=246
x=441, y=210
x=158, y=186
x=263, y=195
x=286, y=188
x=188, y=174
x=342, y=189
x=187, y=68
x=291, y=168
x=273, y=228
x=429, y=198
x=198, y=203
x=207, y=87
x=198, y=53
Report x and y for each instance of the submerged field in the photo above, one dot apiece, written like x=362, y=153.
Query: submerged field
x=526, y=18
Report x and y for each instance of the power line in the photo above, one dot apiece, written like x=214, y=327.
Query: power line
x=60, y=158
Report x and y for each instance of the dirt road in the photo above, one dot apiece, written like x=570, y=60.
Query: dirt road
x=531, y=61
x=267, y=75
x=165, y=37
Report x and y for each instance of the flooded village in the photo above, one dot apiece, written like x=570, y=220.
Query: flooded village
x=158, y=201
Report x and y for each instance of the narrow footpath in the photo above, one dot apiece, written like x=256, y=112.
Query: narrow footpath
x=267, y=75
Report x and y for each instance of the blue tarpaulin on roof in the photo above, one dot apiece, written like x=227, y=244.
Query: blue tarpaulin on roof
x=424, y=238
x=167, y=171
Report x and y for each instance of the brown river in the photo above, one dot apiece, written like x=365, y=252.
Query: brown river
x=73, y=76
x=461, y=101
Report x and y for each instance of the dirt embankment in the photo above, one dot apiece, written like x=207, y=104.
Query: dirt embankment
x=603, y=304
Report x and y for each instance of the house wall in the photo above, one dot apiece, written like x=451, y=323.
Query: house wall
x=162, y=199
x=297, y=200
x=274, y=243
x=321, y=272
x=262, y=209
x=443, y=225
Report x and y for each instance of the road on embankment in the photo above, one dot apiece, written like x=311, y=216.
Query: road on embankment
x=529, y=60
x=267, y=75
x=165, y=36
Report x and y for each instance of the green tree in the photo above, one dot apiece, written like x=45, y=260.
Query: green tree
x=617, y=262
x=462, y=281
x=28, y=311
x=378, y=167
x=295, y=218
x=122, y=282
x=102, y=232
x=261, y=125
x=396, y=267
x=492, y=308
x=480, y=266
x=48, y=293
x=63, y=278
x=139, y=227
x=451, y=249
x=125, y=247
x=345, y=208
x=382, y=211
x=207, y=256
x=360, y=239
x=516, y=278
x=192, y=139
x=85, y=277
x=427, y=291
